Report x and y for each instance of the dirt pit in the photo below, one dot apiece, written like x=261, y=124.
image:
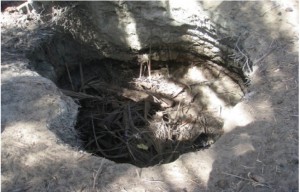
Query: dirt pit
x=129, y=116
x=258, y=150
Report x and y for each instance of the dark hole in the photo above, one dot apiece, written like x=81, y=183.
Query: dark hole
x=143, y=121
x=113, y=125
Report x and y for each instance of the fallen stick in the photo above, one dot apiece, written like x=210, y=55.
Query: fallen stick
x=134, y=95
x=70, y=78
x=80, y=95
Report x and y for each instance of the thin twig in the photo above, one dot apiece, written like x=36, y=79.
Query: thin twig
x=265, y=55
x=130, y=152
x=97, y=173
x=149, y=62
x=81, y=76
x=128, y=114
x=236, y=176
x=130, y=121
x=79, y=95
x=94, y=132
x=246, y=63
x=172, y=153
x=70, y=78
x=273, y=7
x=98, y=146
x=251, y=180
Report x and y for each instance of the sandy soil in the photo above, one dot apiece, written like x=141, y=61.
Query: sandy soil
x=258, y=151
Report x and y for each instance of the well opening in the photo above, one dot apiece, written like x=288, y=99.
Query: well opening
x=135, y=119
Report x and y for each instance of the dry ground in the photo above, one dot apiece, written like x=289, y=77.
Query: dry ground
x=258, y=151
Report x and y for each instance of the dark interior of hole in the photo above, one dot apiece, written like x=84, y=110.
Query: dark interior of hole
x=109, y=124
x=113, y=126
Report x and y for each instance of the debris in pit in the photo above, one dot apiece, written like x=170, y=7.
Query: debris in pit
x=145, y=122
